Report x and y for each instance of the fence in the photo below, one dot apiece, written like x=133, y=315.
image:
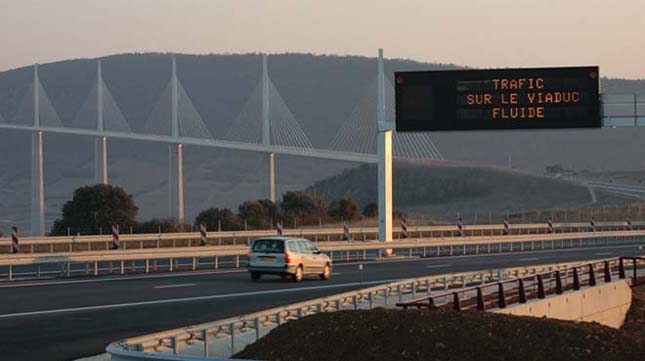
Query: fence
x=189, y=239
x=536, y=286
x=213, y=257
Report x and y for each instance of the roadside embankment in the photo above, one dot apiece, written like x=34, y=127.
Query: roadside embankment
x=381, y=334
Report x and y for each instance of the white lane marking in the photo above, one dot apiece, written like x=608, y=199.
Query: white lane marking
x=385, y=261
x=336, y=273
x=529, y=259
x=602, y=253
x=123, y=278
x=439, y=265
x=175, y=286
x=198, y=298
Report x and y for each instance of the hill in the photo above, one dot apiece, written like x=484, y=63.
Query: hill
x=443, y=190
x=320, y=91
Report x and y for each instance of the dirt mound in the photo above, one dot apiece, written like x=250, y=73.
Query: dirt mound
x=635, y=320
x=382, y=334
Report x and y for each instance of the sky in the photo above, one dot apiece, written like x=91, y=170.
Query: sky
x=477, y=33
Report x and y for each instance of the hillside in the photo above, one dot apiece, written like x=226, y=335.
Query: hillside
x=442, y=190
x=320, y=91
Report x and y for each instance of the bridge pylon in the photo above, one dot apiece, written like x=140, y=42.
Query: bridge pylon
x=266, y=133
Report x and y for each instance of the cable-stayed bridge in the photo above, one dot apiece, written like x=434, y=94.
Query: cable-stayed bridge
x=265, y=124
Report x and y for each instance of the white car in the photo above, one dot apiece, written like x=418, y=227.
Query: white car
x=287, y=257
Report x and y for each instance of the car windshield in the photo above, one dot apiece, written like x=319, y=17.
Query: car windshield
x=268, y=246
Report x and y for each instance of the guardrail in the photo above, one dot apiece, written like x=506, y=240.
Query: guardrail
x=213, y=257
x=502, y=293
x=192, y=239
x=225, y=337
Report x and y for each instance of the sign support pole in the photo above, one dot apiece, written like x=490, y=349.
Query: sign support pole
x=384, y=161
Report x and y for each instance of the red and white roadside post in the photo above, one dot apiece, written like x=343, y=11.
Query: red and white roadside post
x=202, y=234
x=346, y=234
x=278, y=228
x=404, y=228
x=115, y=236
x=507, y=226
x=550, y=226
x=15, y=241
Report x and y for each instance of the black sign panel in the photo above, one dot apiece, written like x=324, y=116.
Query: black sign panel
x=539, y=98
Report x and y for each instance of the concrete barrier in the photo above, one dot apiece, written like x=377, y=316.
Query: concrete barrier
x=606, y=304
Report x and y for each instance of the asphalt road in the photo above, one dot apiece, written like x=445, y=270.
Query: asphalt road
x=68, y=319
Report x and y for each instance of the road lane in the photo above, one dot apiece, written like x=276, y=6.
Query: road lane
x=86, y=331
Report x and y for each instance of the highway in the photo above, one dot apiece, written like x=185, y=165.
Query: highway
x=67, y=319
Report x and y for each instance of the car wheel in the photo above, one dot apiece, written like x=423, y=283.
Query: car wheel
x=255, y=276
x=326, y=273
x=298, y=275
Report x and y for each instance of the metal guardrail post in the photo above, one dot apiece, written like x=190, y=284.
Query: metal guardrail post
x=501, y=297
x=621, y=269
x=231, y=328
x=592, y=275
x=480, y=300
x=522, y=291
x=205, y=338
x=576, y=279
x=558, y=283
x=540, y=282
x=456, y=301
x=607, y=271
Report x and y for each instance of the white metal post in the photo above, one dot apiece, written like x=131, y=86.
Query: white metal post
x=266, y=129
x=100, y=148
x=384, y=160
x=37, y=176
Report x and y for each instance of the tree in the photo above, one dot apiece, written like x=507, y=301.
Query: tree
x=344, y=208
x=370, y=210
x=258, y=214
x=302, y=206
x=213, y=217
x=158, y=225
x=96, y=208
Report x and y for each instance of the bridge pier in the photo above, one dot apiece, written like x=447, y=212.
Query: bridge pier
x=38, y=186
x=100, y=146
x=176, y=154
x=100, y=161
x=37, y=173
x=266, y=134
x=176, y=183
x=266, y=176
